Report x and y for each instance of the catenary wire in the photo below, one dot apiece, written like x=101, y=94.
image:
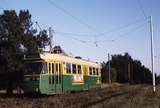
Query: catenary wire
x=141, y=7
x=122, y=27
x=105, y=33
x=71, y=15
x=126, y=34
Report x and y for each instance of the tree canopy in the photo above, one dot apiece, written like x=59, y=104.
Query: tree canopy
x=18, y=36
x=124, y=69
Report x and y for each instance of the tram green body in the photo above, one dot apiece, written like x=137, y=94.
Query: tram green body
x=60, y=77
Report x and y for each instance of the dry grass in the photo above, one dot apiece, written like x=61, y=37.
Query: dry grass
x=114, y=96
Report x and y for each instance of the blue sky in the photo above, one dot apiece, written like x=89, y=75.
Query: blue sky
x=102, y=16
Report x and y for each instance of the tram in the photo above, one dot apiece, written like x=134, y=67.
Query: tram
x=51, y=73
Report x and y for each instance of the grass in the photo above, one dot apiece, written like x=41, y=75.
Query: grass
x=112, y=96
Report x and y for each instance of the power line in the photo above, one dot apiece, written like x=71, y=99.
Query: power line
x=156, y=47
x=141, y=7
x=74, y=17
x=132, y=30
x=69, y=14
x=126, y=34
x=88, y=26
x=112, y=40
x=82, y=41
x=108, y=32
x=73, y=34
x=122, y=27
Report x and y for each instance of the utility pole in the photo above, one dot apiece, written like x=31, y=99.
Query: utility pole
x=129, y=73
x=50, y=39
x=109, y=69
x=152, y=54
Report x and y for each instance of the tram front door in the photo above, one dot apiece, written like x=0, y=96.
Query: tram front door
x=55, y=80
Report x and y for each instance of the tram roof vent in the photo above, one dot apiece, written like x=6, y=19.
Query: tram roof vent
x=58, y=50
x=78, y=57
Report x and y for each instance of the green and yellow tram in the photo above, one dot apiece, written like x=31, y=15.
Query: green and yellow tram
x=51, y=73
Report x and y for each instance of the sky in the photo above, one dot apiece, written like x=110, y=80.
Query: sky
x=93, y=28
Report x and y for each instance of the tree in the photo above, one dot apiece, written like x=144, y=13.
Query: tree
x=127, y=70
x=105, y=73
x=158, y=79
x=17, y=36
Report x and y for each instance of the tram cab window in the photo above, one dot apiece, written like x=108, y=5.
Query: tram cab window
x=79, y=69
x=68, y=68
x=74, y=68
x=90, y=70
x=94, y=71
x=44, y=69
x=36, y=68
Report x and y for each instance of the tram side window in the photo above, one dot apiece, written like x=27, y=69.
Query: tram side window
x=56, y=68
x=79, y=69
x=56, y=72
x=68, y=67
x=60, y=68
x=90, y=70
x=97, y=71
x=52, y=68
x=94, y=71
x=74, y=68
x=49, y=67
x=60, y=72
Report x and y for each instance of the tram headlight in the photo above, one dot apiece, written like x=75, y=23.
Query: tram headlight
x=26, y=78
x=37, y=89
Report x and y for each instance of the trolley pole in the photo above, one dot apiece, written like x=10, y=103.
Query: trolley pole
x=109, y=69
x=50, y=39
x=152, y=54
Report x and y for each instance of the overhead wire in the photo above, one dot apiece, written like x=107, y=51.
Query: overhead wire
x=111, y=40
x=126, y=34
x=108, y=32
x=73, y=34
x=88, y=26
x=157, y=49
x=82, y=41
x=93, y=42
x=131, y=31
x=74, y=17
x=141, y=7
x=157, y=54
x=71, y=15
x=144, y=14
x=122, y=27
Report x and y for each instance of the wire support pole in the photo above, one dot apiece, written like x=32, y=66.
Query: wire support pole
x=109, y=69
x=152, y=54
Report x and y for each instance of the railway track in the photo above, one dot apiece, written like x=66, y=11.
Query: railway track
x=108, y=95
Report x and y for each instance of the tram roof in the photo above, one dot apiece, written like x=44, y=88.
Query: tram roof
x=66, y=58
